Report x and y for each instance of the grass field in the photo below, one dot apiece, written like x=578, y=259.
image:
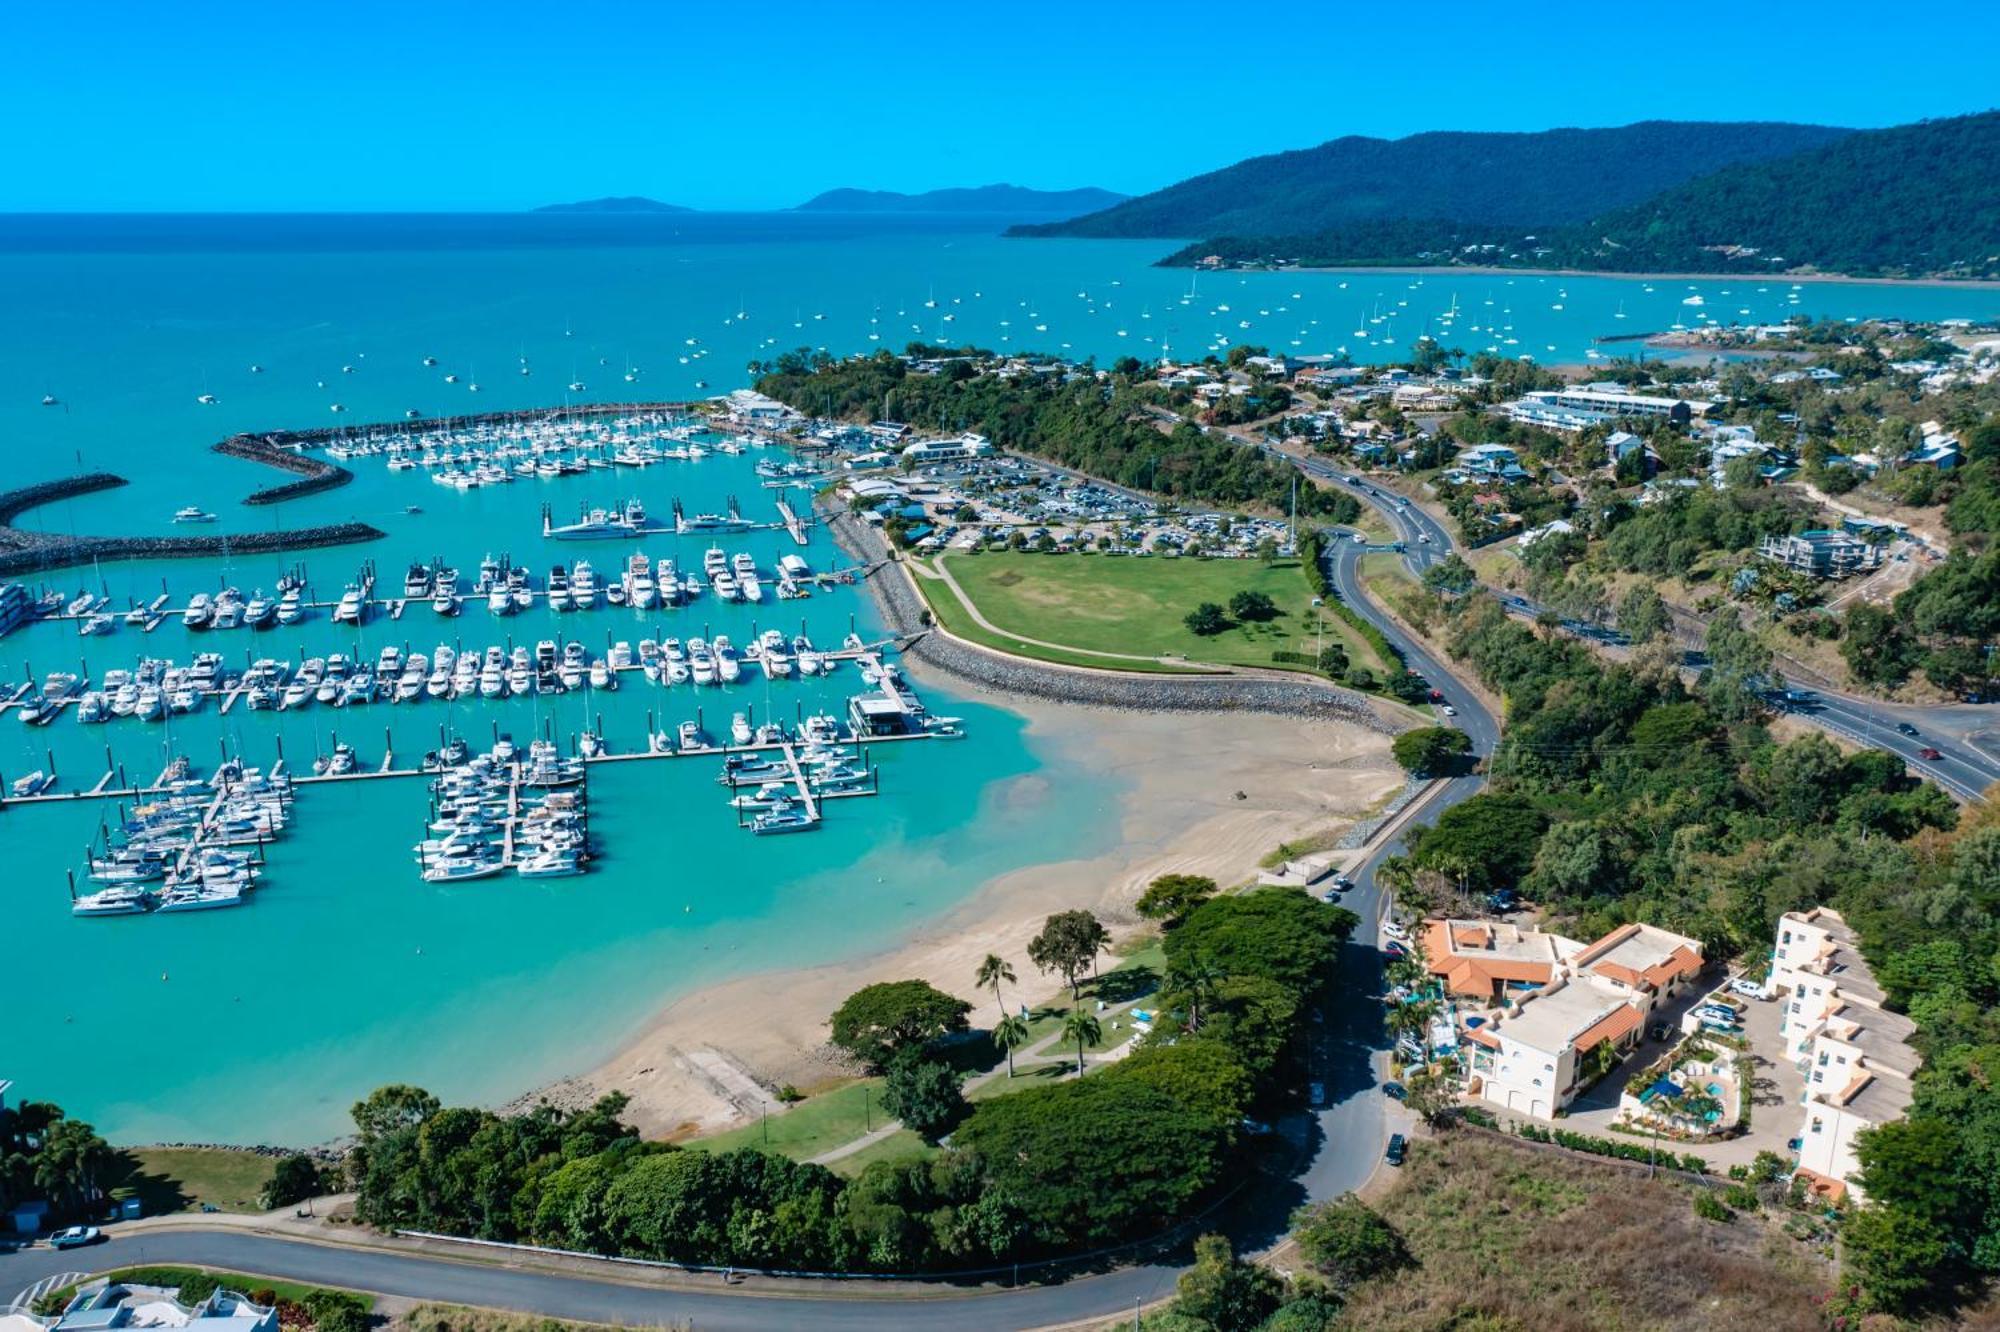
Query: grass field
x=1507, y=1238
x=1135, y=607
x=817, y=1124
x=180, y=1179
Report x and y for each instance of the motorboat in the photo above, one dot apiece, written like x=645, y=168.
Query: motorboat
x=739, y=729
x=117, y=901
x=193, y=513
x=348, y=611
x=788, y=819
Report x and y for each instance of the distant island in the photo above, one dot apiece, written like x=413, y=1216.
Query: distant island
x=626, y=203
x=1001, y=200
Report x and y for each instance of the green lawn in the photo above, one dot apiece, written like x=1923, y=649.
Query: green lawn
x=815, y=1125
x=1135, y=606
x=902, y=1145
x=180, y=1179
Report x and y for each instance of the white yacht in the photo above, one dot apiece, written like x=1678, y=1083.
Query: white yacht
x=349, y=609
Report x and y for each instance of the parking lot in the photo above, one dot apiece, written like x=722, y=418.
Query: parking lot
x=1775, y=1084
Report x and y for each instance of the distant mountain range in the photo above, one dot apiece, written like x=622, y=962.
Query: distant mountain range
x=1659, y=196
x=627, y=203
x=1560, y=175
x=998, y=200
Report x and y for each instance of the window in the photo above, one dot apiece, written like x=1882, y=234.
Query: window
x=1818, y=1076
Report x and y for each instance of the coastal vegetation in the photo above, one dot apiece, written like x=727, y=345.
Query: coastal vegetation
x=1044, y=1169
x=47, y=1156
x=1074, y=419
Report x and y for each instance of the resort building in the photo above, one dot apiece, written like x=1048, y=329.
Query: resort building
x=1643, y=963
x=1531, y=1060
x=1605, y=404
x=1488, y=960
x=1823, y=554
x=1854, y=1054
x=749, y=407
x=968, y=445
x=1559, y=1000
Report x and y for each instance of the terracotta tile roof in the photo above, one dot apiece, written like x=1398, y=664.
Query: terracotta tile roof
x=1605, y=945
x=1613, y=1026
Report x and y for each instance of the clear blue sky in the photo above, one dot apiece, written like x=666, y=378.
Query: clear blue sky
x=440, y=104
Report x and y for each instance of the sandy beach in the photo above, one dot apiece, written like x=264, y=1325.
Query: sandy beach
x=706, y=1060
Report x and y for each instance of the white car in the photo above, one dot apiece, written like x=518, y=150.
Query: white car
x=1448, y=710
x=1748, y=989
x=1360, y=540
x=1395, y=931
x=1424, y=537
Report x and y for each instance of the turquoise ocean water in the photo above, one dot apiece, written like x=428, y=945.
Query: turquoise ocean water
x=262, y=1024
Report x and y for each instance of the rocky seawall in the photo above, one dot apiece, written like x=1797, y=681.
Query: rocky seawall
x=315, y=474
x=903, y=609
x=25, y=552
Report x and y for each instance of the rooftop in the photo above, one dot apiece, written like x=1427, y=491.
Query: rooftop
x=1565, y=1016
x=1642, y=955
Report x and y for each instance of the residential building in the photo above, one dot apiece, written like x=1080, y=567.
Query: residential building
x=1854, y=1054
x=1491, y=462
x=1822, y=553
x=118, y=1305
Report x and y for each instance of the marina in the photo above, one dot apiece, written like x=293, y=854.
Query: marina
x=677, y=897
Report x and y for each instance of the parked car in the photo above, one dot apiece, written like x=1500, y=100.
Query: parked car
x=1710, y=1014
x=1448, y=710
x=1659, y=1031
x=1398, y=1148
x=1316, y=1093
x=1394, y=949
x=1394, y=930
x=75, y=1237
x=1503, y=899
x=1721, y=1028
x=1255, y=1128
x=1748, y=989
x=1341, y=883
x=1395, y=1091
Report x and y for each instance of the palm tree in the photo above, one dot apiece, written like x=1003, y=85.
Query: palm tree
x=1195, y=979
x=70, y=1159
x=1081, y=1027
x=1010, y=1031
x=993, y=972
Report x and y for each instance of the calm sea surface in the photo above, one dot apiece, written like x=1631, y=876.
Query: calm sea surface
x=264, y=1023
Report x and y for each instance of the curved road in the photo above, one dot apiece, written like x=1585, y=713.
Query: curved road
x=1340, y=1142
x=1955, y=731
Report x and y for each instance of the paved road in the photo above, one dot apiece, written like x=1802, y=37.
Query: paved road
x=1967, y=736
